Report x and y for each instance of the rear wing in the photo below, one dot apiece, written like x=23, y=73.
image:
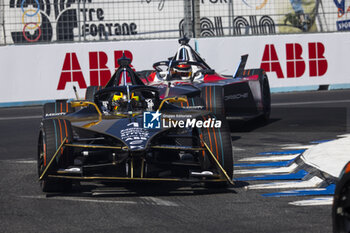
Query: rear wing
x=241, y=66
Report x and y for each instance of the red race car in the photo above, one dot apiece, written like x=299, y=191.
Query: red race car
x=244, y=95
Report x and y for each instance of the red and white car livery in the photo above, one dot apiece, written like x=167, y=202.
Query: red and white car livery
x=245, y=94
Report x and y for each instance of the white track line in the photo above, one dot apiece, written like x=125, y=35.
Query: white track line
x=144, y=200
x=305, y=190
x=297, y=147
x=270, y=158
x=314, y=201
x=291, y=144
x=20, y=107
x=237, y=149
x=158, y=201
x=288, y=169
x=313, y=182
x=311, y=102
x=19, y=161
x=79, y=199
x=20, y=118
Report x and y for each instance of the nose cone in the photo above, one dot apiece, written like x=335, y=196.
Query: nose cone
x=132, y=132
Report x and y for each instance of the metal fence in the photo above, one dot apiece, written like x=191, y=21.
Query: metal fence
x=44, y=21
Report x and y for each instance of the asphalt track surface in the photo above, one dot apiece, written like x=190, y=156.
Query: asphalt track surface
x=297, y=118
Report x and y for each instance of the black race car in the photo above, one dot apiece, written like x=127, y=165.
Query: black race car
x=128, y=133
x=244, y=95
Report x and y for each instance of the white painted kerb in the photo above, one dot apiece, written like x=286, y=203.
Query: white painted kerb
x=329, y=157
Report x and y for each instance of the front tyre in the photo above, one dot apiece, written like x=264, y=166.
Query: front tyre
x=219, y=142
x=341, y=205
x=52, y=134
x=58, y=108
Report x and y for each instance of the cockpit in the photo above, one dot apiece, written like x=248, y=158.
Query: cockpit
x=185, y=65
x=125, y=93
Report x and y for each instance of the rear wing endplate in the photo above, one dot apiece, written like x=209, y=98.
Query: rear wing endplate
x=241, y=66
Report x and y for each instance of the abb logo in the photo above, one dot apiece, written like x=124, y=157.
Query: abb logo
x=295, y=63
x=99, y=72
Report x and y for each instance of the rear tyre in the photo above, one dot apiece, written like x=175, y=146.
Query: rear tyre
x=52, y=133
x=58, y=108
x=90, y=92
x=265, y=94
x=219, y=142
x=213, y=97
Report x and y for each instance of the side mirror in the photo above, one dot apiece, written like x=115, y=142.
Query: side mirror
x=75, y=104
x=79, y=104
x=173, y=100
x=177, y=99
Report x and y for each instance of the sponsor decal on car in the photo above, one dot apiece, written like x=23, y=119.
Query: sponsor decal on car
x=194, y=107
x=134, y=135
x=150, y=104
x=236, y=96
x=55, y=114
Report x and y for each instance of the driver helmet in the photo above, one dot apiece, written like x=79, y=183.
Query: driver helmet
x=183, y=71
x=119, y=102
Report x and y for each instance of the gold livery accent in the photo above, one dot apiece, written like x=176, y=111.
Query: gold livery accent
x=97, y=146
x=75, y=104
x=52, y=159
x=217, y=163
x=85, y=104
x=172, y=100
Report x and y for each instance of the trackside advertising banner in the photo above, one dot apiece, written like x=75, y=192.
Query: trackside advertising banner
x=46, y=72
x=37, y=21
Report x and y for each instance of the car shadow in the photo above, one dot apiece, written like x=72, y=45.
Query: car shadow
x=244, y=126
x=143, y=190
x=235, y=138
